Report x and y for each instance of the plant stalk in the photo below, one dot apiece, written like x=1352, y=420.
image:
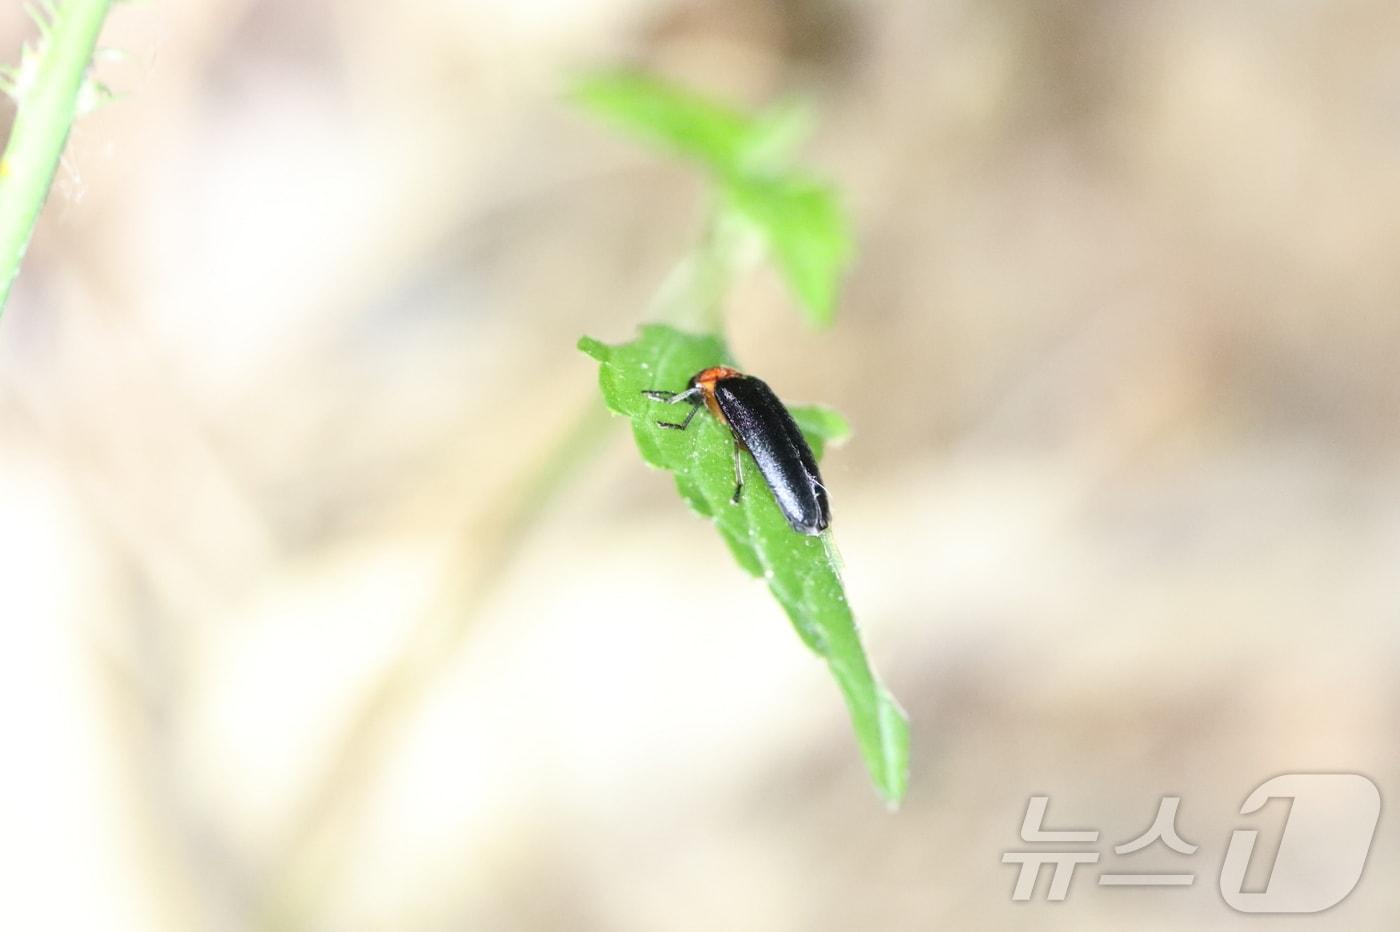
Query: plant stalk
x=47, y=102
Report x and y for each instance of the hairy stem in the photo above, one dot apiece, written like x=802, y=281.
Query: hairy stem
x=46, y=89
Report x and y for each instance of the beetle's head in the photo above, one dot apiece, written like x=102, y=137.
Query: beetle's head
x=706, y=378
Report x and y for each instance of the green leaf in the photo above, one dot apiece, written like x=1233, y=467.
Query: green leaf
x=821, y=425
x=805, y=229
x=678, y=119
x=801, y=571
x=775, y=135
x=799, y=221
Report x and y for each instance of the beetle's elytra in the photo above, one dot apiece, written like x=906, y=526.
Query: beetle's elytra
x=762, y=425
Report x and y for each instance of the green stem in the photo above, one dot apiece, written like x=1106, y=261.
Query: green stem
x=48, y=102
x=693, y=296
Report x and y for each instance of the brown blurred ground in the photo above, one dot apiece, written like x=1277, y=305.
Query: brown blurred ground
x=1121, y=518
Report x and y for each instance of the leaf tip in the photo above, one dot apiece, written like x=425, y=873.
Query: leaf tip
x=838, y=429
x=594, y=348
x=893, y=778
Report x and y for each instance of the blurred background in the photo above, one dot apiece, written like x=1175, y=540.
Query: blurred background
x=290, y=642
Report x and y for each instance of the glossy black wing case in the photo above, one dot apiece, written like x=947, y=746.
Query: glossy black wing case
x=766, y=428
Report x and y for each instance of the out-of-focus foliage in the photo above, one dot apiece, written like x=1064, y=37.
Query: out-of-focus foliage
x=684, y=122
x=799, y=220
x=804, y=228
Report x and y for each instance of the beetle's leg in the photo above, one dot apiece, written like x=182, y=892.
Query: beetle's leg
x=738, y=473
x=690, y=395
x=694, y=406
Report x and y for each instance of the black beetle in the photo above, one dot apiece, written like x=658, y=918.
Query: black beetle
x=761, y=425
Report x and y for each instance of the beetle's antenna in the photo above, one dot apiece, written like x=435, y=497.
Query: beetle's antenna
x=671, y=398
